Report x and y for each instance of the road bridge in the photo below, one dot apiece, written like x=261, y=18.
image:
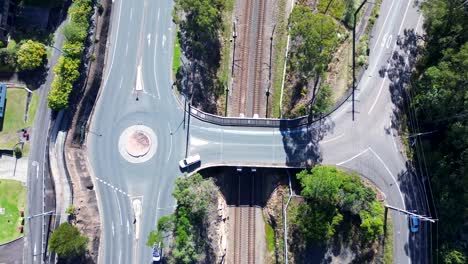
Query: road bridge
x=133, y=195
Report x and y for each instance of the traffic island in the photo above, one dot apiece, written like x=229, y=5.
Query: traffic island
x=137, y=144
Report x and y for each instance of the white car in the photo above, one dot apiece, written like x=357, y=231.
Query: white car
x=157, y=253
x=189, y=161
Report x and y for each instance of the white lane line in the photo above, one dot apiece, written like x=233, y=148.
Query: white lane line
x=158, y=14
x=131, y=13
x=353, y=157
x=163, y=40
x=36, y=164
x=332, y=139
x=378, y=94
x=157, y=205
x=118, y=204
x=154, y=65
x=126, y=50
x=113, y=229
x=391, y=175
x=170, y=148
x=116, y=38
x=120, y=257
x=383, y=26
x=128, y=228
x=148, y=37
x=388, y=64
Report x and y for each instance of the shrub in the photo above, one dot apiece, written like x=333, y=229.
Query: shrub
x=67, y=242
x=31, y=55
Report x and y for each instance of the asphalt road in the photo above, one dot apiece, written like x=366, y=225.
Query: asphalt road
x=140, y=55
x=40, y=190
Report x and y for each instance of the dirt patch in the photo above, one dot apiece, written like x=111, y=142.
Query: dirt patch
x=339, y=73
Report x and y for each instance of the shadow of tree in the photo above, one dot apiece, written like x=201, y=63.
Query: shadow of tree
x=302, y=144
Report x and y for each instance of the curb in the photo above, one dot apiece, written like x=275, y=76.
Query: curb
x=12, y=241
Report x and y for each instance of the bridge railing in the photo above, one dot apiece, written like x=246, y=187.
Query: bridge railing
x=271, y=122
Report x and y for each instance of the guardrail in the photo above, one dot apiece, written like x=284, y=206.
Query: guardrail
x=272, y=122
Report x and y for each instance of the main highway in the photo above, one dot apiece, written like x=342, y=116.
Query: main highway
x=137, y=91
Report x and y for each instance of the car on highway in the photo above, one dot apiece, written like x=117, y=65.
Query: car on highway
x=157, y=253
x=414, y=224
x=189, y=161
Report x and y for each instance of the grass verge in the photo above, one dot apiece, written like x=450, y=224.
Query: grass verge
x=279, y=49
x=224, y=72
x=12, y=199
x=388, y=247
x=176, y=56
x=269, y=237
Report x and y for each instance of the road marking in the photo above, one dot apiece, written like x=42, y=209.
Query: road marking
x=113, y=53
x=36, y=164
x=163, y=40
x=148, y=37
x=131, y=13
x=353, y=157
x=384, y=39
x=332, y=139
x=170, y=148
x=389, y=172
x=154, y=66
x=118, y=204
x=126, y=49
x=157, y=205
x=378, y=94
x=120, y=256
x=388, y=64
x=383, y=26
x=388, y=41
x=419, y=22
x=35, y=251
x=113, y=229
x=158, y=14
x=128, y=228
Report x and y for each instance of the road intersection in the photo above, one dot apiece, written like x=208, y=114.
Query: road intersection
x=137, y=90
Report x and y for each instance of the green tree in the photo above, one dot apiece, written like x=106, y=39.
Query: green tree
x=74, y=32
x=67, y=68
x=67, y=242
x=31, y=55
x=58, y=95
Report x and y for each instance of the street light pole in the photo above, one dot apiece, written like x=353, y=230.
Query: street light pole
x=354, y=52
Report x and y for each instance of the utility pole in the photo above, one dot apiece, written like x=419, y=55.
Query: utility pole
x=422, y=217
x=354, y=52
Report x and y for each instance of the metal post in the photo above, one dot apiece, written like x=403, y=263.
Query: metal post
x=188, y=128
x=354, y=52
x=185, y=108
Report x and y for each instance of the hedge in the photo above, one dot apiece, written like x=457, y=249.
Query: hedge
x=66, y=70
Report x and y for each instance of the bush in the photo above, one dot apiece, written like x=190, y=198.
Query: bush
x=31, y=55
x=67, y=67
x=67, y=242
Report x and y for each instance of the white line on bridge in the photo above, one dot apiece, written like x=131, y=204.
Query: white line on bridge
x=353, y=157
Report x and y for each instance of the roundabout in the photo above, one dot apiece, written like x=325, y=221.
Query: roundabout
x=137, y=144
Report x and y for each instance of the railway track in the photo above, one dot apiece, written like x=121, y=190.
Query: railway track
x=258, y=62
x=249, y=82
x=244, y=229
x=244, y=48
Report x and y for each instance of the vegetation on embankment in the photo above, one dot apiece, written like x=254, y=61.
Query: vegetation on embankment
x=337, y=212
x=201, y=26
x=66, y=70
x=439, y=101
x=191, y=231
x=320, y=56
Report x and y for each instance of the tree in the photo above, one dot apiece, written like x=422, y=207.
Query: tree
x=67, y=69
x=31, y=55
x=67, y=242
x=58, y=95
x=74, y=32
